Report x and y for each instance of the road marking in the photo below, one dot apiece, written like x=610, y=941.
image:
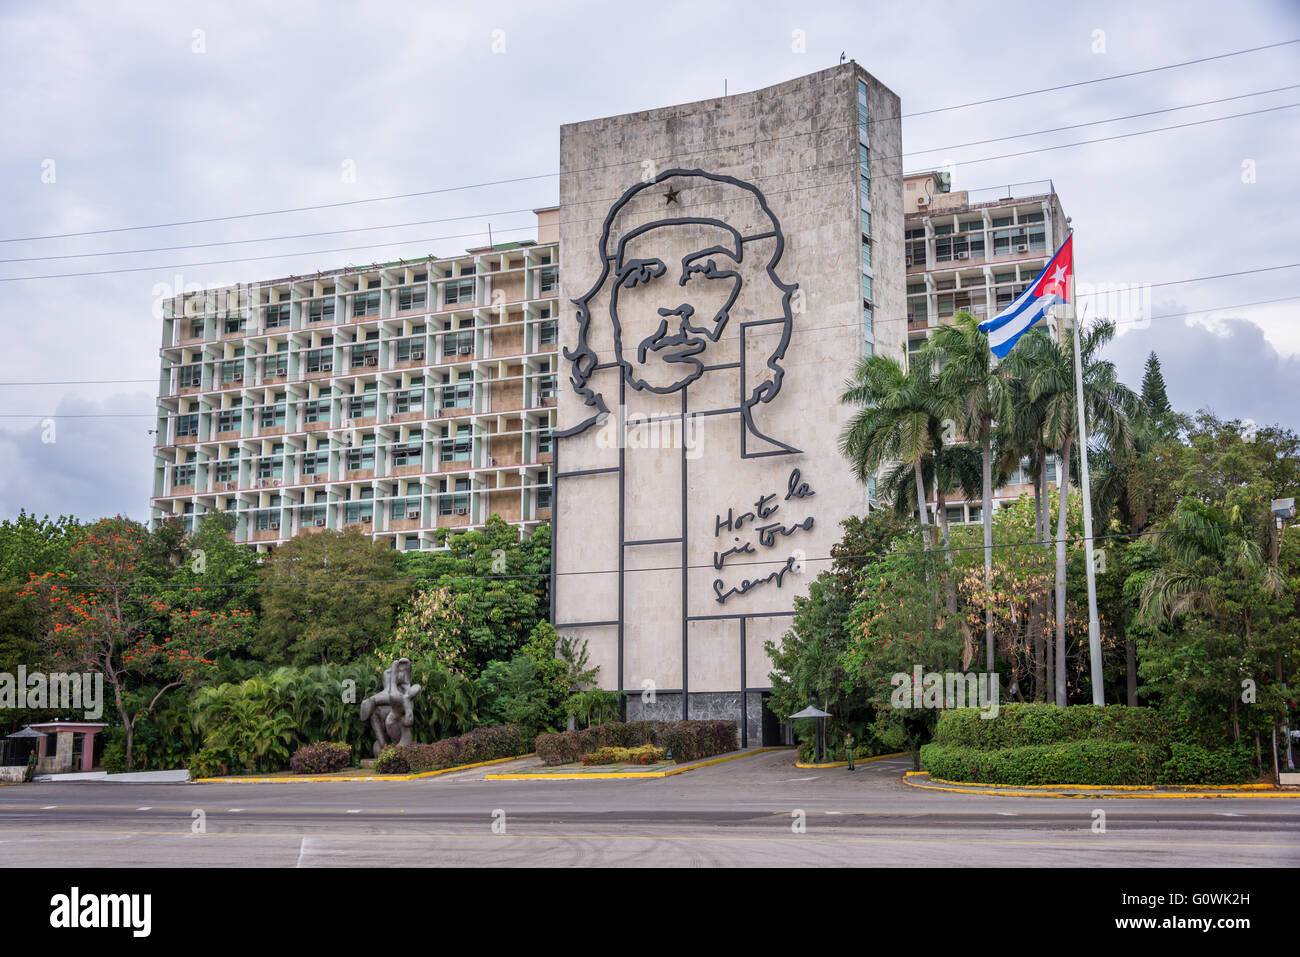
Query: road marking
x=1007, y=813
x=813, y=778
x=150, y=808
x=234, y=810
x=834, y=812
x=357, y=811
x=301, y=849
x=49, y=807
x=1229, y=814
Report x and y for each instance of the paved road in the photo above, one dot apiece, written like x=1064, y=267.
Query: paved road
x=739, y=813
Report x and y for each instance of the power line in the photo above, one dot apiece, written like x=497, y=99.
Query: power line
x=519, y=179
x=1101, y=79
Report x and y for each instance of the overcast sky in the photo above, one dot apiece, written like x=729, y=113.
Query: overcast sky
x=138, y=119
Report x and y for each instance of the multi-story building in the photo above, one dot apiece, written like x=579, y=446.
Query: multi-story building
x=398, y=398
x=975, y=251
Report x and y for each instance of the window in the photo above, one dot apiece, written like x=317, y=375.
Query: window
x=277, y=315
x=321, y=310
x=362, y=511
x=400, y=509
x=547, y=333
x=549, y=280
x=411, y=543
x=234, y=324
x=315, y=463
x=546, y=387
x=364, y=457
x=453, y=499
x=187, y=424
x=544, y=441
x=311, y=515
x=544, y=497
x=272, y=466
x=182, y=475
x=866, y=288
x=196, y=329
x=915, y=244
x=190, y=376
x=228, y=469
x=411, y=298
x=410, y=350
x=412, y=401
x=320, y=360
x=455, y=448
x=460, y=395
x=366, y=303
x=273, y=414
x=461, y=343
x=365, y=356
x=230, y=420
x=317, y=410
x=955, y=514
x=864, y=161
x=459, y=291
x=266, y=517
x=408, y=454
x=361, y=406
x=232, y=371
x=866, y=256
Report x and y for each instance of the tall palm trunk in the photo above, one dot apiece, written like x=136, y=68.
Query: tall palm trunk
x=920, y=505
x=986, y=468
x=1063, y=483
x=941, y=511
x=1038, y=606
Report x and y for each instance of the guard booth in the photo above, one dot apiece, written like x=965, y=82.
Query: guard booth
x=15, y=751
x=74, y=746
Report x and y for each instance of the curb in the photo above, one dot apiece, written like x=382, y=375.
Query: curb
x=1148, y=791
x=353, y=780
x=845, y=764
x=624, y=775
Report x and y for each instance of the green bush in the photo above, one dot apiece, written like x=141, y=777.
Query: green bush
x=646, y=754
x=208, y=763
x=1020, y=725
x=1065, y=762
x=1193, y=764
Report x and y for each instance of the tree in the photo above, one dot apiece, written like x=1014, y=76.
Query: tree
x=1047, y=369
x=894, y=421
x=102, y=619
x=1155, y=400
x=976, y=394
x=327, y=597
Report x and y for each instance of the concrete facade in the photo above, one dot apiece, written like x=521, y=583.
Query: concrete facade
x=724, y=282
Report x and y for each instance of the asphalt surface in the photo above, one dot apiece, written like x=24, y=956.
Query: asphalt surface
x=760, y=810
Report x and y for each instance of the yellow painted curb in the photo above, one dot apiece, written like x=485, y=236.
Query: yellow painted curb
x=623, y=775
x=984, y=790
x=845, y=764
x=378, y=777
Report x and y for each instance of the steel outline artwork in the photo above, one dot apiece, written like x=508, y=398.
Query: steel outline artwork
x=693, y=337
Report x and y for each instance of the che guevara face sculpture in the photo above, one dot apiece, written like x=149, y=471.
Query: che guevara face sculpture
x=666, y=308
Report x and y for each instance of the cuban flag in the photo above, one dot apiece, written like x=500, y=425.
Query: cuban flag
x=1052, y=286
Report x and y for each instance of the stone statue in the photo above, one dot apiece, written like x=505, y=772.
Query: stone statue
x=391, y=712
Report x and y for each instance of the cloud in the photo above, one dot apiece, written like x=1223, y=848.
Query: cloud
x=1230, y=368
x=76, y=464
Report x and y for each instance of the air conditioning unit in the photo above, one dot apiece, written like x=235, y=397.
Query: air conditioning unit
x=372, y=361
x=460, y=511
x=319, y=523
x=413, y=515
x=963, y=255
x=275, y=526
x=238, y=377
x=465, y=350
x=908, y=261
x=923, y=201
x=365, y=519
x=417, y=354
x=1022, y=249
x=327, y=367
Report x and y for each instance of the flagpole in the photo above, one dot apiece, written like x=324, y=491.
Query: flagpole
x=1094, y=627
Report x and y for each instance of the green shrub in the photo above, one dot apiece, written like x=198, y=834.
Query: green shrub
x=696, y=740
x=208, y=763
x=645, y=754
x=395, y=759
x=1020, y=725
x=568, y=747
x=1193, y=764
x=322, y=758
x=1065, y=762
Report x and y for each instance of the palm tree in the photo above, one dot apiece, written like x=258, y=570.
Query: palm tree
x=1047, y=369
x=976, y=394
x=894, y=422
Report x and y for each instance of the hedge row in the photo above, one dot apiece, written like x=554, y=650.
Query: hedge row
x=481, y=744
x=1066, y=762
x=646, y=754
x=1089, y=762
x=1022, y=725
x=688, y=740
x=321, y=758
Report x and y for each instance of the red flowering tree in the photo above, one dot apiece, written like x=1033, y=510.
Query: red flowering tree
x=110, y=615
